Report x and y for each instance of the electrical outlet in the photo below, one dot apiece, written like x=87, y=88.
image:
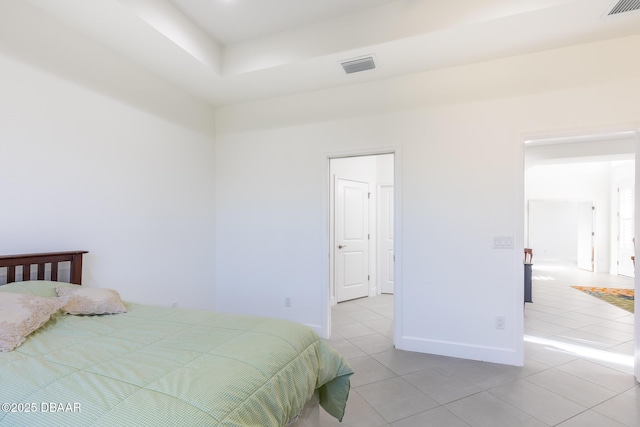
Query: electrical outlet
x=287, y=302
x=499, y=322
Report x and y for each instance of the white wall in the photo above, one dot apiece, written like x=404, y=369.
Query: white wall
x=577, y=182
x=384, y=169
x=596, y=181
x=458, y=134
x=86, y=167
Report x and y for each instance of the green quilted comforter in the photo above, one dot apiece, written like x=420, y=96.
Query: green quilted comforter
x=156, y=366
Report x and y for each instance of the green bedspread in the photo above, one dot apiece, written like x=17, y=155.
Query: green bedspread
x=161, y=366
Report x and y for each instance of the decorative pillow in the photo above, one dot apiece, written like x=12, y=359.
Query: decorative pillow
x=81, y=300
x=21, y=314
x=42, y=288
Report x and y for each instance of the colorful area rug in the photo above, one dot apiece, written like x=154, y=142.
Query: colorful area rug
x=622, y=298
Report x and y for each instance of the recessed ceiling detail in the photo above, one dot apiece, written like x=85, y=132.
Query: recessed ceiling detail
x=624, y=6
x=357, y=65
x=249, y=50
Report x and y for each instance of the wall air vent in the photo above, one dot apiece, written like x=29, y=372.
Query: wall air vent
x=357, y=65
x=624, y=6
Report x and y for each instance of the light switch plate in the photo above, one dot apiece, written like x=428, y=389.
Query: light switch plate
x=503, y=242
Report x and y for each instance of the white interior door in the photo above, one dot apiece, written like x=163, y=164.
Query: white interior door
x=386, y=259
x=351, y=239
x=626, y=245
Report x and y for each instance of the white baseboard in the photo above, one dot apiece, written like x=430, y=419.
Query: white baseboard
x=505, y=356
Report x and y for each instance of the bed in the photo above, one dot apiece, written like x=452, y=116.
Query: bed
x=158, y=365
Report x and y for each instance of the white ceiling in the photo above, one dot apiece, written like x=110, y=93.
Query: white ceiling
x=232, y=21
x=231, y=51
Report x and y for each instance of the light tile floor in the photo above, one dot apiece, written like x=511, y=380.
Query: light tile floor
x=577, y=373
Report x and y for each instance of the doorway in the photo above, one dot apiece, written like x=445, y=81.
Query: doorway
x=362, y=227
x=577, y=176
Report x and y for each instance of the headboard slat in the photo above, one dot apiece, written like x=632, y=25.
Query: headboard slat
x=41, y=260
x=41, y=268
x=54, y=272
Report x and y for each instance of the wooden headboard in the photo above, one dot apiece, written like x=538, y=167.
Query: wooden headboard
x=10, y=262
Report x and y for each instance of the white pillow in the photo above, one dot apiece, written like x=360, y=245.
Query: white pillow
x=21, y=314
x=81, y=300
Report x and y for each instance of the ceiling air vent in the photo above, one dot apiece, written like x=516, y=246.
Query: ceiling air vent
x=624, y=6
x=360, y=64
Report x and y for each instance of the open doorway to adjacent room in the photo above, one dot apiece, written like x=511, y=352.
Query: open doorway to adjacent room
x=361, y=237
x=579, y=224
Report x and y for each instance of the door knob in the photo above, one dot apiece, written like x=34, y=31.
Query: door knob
x=342, y=246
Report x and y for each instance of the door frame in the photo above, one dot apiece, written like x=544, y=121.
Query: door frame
x=379, y=254
x=397, y=223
